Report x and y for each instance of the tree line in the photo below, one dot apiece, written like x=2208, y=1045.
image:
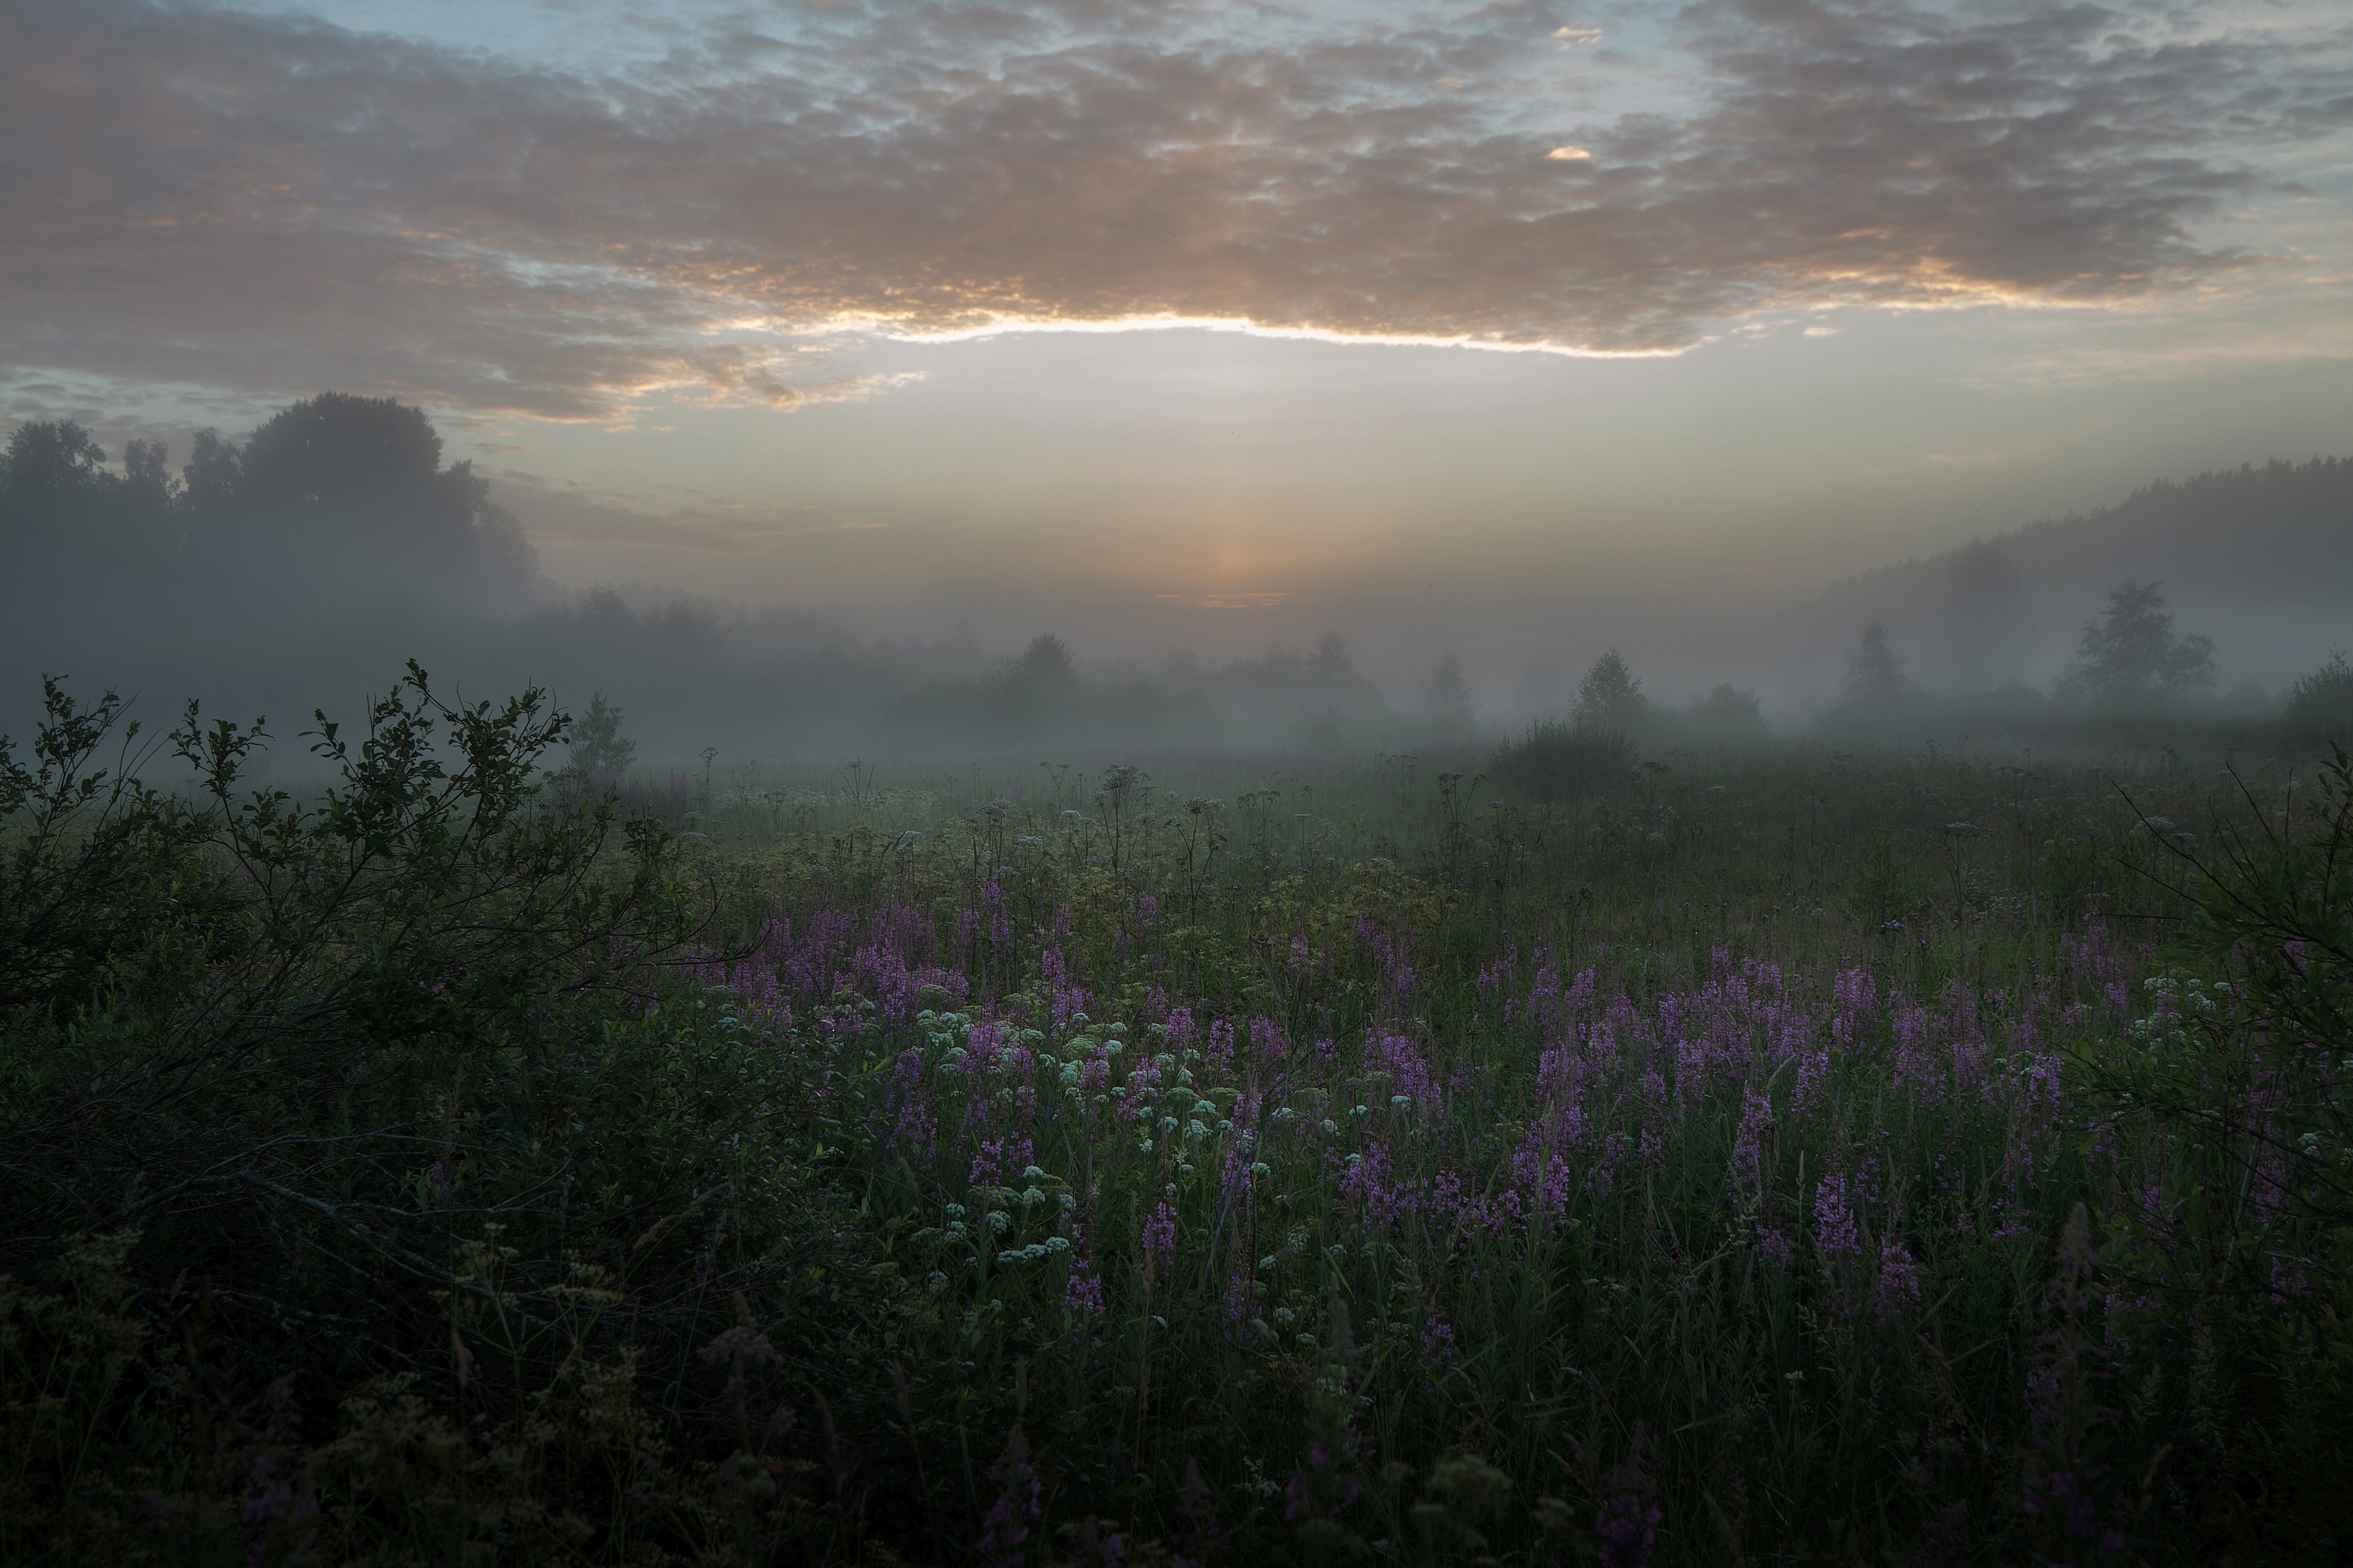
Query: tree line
x=331, y=489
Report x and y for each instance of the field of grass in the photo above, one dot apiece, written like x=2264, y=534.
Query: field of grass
x=1775, y=1155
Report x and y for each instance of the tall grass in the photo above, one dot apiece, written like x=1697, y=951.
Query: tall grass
x=1276, y=1162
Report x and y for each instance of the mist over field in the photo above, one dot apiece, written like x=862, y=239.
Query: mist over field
x=336, y=529
x=1153, y=784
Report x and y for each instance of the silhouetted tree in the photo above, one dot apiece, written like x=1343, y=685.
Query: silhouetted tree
x=598, y=749
x=65, y=519
x=1729, y=713
x=2130, y=657
x=1610, y=698
x=1449, y=695
x=146, y=479
x=213, y=475
x=1874, y=674
x=338, y=450
x=364, y=473
x=49, y=462
x=605, y=614
x=1045, y=662
x=685, y=627
x=1330, y=661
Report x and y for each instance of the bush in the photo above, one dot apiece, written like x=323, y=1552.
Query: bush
x=354, y=1155
x=1558, y=761
x=2321, y=704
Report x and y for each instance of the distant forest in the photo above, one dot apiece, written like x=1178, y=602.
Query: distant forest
x=302, y=567
x=2267, y=550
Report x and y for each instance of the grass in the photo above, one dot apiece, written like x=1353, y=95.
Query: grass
x=1259, y=1160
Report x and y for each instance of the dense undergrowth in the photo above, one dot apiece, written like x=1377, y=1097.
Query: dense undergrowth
x=1779, y=1156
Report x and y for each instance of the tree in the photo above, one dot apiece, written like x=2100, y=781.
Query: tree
x=335, y=450
x=1045, y=662
x=1610, y=698
x=49, y=461
x=598, y=748
x=1729, y=713
x=1874, y=674
x=214, y=474
x=146, y=481
x=366, y=471
x=1330, y=662
x=2130, y=657
x=1448, y=694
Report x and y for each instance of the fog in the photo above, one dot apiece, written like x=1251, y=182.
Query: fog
x=297, y=566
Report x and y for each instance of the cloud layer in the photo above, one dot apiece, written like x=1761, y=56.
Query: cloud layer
x=221, y=200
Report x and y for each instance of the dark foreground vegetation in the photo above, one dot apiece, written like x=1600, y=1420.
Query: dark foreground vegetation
x=1753, y=1155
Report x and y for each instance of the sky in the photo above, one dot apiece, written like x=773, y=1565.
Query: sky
x=1220, y=306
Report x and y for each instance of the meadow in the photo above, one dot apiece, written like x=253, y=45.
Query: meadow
x=1771, y=1154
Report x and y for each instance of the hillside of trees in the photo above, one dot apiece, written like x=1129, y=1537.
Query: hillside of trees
x=2262, y=557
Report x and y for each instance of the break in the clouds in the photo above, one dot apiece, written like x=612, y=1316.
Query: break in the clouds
x=258, y=203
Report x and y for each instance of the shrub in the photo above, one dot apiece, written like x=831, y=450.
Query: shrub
x=2320, y=704
x=1555, y=762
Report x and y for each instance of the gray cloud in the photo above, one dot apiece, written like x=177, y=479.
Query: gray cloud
x=226, y=200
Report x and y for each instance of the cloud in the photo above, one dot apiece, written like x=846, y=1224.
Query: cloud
x=268, y=206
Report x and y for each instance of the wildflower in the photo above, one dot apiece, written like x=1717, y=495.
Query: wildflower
x=1898, y=1287
x=1628, y=1521
x=1005, y=1531
x=1834, y=1232
x=1160, y=1232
